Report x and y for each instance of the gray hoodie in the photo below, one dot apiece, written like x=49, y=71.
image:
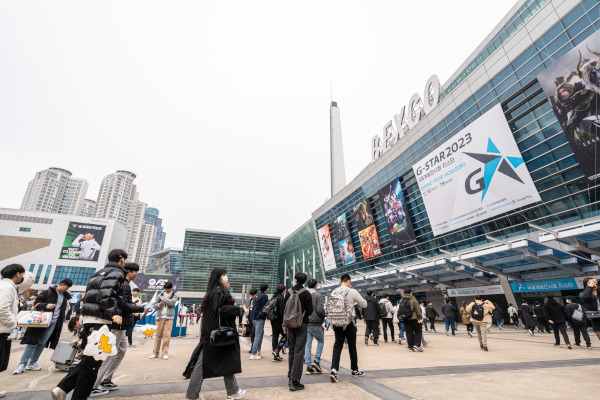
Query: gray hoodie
x=318, y=315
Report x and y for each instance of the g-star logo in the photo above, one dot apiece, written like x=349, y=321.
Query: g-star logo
x=494, y=162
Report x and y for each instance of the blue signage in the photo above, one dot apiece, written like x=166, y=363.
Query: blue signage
x=544, y=286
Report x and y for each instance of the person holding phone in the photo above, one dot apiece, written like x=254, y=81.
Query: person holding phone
x=591, y=301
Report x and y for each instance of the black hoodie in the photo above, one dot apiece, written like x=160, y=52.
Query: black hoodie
x=554, y=311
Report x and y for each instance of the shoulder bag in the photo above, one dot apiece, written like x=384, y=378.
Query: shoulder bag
x=34, y=319
x=223, y=335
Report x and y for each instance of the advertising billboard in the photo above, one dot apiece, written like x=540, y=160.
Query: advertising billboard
x=83, y=242
x=326, y=248
x=341, y=234
x=150, y=283
x=396, y=215
x=367, y=234
x=475, y=175
x=572, y=85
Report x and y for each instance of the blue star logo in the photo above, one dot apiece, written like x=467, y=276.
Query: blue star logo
x=496, y=162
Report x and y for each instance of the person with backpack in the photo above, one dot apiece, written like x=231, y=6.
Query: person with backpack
x=480, y=315
x=449, y=311
x=298, y=308
x=410, y=313
x=555, y=313
x=315, y=330
x=258, y=320
x=340, y=312
x=576, y=317
x=371, y=316
x=386, y=313
x=431, y=314
x=277, y=322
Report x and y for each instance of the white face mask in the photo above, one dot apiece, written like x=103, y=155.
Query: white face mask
x=224, y=279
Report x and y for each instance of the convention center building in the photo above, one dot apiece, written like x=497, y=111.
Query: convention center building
x=486, y=184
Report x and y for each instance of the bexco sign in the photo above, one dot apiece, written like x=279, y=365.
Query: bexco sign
x=405, y=121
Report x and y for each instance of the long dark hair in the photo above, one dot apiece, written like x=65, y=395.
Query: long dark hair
x=213, y=282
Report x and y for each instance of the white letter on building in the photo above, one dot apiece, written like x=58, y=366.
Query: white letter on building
x=431, y=94
x=376, y=148
x=389, y=139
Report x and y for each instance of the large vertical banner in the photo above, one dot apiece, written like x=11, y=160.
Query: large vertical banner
x=341, y=234
x=572, y=85
x=396, y=215
x=475, y=175
x=367, y=234
x=326, y=248
x=82, y=242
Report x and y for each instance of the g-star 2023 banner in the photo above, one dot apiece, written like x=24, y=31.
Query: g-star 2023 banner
x=477, y=174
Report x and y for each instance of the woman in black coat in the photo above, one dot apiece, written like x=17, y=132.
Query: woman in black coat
x=526, y=314
x=213, y=361
x=591, y=301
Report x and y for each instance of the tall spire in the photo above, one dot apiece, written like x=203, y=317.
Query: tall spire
x=338, y=171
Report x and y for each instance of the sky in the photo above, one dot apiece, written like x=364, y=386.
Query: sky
x=220, y=108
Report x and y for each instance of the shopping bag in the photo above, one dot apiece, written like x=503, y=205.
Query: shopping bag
x=143, y=333
x=101, y=344
x=34, y=319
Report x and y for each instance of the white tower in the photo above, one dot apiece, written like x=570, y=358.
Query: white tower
x=54, y=190
x=338, y=171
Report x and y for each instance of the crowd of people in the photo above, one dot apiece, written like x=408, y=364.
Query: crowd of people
x=297, y=316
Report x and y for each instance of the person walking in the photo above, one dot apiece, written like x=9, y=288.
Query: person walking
x=297, y=335
x=211, y=361
x=137, y=302
x=466, y=320
x=480, y=316
x=498, y=316
x=102, y=306
x=371, y=316
x=344, y=325
x=315, y=329
x=388, y=320
x=410, y=312
x=541, y=318
x=401, y=326
x=250, y=315
x=526, y=314
x=55, y=300
x=431, y=314
x=258, y=321
x=513, y=314
x=277, y=330
x=12, y=275
x=578, y=321
x=423, y=306
x=165, y=313
x=104, y=381
x=591, y=301
x=449, y=311
x=555, y=313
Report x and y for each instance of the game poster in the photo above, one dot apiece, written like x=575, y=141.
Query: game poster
x=396, y=215
x=341, y=234
x=82, y=242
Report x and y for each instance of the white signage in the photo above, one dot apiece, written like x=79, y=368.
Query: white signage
x=474, y=291
x=477, y=174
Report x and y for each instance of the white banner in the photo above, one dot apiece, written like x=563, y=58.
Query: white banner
x=474, y=291
x=477, y=174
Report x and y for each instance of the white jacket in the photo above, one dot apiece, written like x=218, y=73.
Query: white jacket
x=9, y=305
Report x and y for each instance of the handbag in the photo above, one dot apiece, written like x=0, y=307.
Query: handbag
x=34, y=319
x=224, y=335
x=592, y=314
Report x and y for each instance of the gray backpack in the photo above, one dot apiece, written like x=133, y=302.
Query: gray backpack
x=292, y=314
x=338, y=311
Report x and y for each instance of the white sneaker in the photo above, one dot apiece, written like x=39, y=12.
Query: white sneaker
x=33, y=367
x=152, y=356
x=58, y=394
x=239, y=395
x=20, y=369
x=255, y=357
x=3, y=394
x=165, y=357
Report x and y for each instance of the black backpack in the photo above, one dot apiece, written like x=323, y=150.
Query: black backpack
x=382, y=310
x=404, y=309
x=477, y=312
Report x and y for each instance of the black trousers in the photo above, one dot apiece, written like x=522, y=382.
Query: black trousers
x=4, y=351
x=562, y=327
x=469, y=327
x=277, y=330
x=413, y=333
x=372, y=327
x=297, y=344
x=580, y=329
x=342, y=335
x=387, y=322
x=431, y=323
x=130, y=330
x=543, y=324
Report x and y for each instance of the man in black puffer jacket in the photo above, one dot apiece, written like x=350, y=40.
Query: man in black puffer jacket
x=555, y=313
x=103, y=305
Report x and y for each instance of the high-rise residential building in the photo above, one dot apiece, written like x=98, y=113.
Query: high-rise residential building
x=147, y=235
x=118, y=199
x=89, y=208
x=338, y=171
x=152, y=237
x=55, y=190
x=151, y=217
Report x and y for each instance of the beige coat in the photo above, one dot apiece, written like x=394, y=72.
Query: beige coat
x=465, y=316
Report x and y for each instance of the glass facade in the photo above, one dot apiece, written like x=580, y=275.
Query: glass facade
x=300, y=253
x=566, y=194
x=79, y=275
x=250, y=260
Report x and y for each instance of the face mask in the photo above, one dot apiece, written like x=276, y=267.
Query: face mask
x=21, y=281
x=224, y=279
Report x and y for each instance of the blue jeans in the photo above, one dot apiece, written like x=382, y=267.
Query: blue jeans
x=500, y=322
x=314, y=331
x=34, y=351
x=259, y=331
x=402, y=330
x=449, y=322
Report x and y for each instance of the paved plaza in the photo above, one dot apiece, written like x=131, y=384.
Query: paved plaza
x=448, y=368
